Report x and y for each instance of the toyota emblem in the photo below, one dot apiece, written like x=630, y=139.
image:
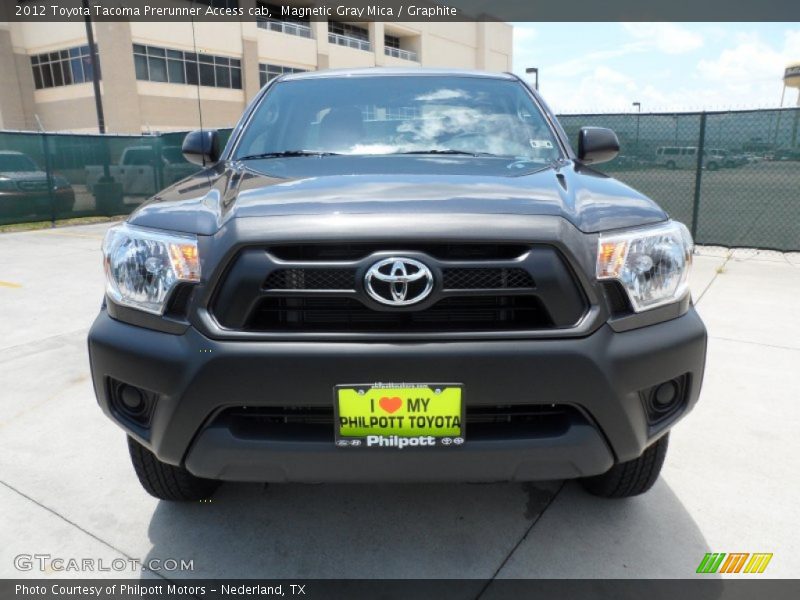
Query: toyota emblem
x=398, y=281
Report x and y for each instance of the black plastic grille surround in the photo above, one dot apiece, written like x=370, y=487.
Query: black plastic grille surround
x=321, y=289
x=356, y=251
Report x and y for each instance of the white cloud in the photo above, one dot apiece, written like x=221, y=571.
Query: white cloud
x=669, y=38
x=736, y=68
x=588, y=62
x=751, y=70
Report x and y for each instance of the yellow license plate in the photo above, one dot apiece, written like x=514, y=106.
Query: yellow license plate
x=399, y=415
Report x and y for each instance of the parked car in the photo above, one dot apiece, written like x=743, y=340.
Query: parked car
x=785, y=154
x=685, y=157
x=397, y=275
x=727, y=158
x=137, y=170
x=24, y=188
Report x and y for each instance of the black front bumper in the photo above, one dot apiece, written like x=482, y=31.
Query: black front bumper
x=602, y=375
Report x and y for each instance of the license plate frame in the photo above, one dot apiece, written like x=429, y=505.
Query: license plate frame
x=407, y=434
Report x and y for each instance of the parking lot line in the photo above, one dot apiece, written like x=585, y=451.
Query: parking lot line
x=10, y=284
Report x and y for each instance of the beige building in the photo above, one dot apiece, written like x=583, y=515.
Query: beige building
x=153, y=72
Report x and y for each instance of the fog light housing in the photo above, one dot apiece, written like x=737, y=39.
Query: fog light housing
x=131, y=404
x=664, y=401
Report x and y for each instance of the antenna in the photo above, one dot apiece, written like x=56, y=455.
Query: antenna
x=197, y=65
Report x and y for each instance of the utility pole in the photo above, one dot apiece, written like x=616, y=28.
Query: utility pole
x=98, y=99
x=638, y=116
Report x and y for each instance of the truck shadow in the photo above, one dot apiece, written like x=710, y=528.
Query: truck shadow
x=428, y=531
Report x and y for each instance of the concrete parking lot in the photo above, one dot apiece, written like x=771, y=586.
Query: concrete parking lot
x=730, y=483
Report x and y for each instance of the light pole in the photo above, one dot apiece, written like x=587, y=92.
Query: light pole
x=638, y=116
x=98, y=99
x=535, y=72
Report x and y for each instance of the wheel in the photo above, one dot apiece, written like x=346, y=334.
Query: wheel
x=165, y=481
x=712, y=166
x=630, y=478
x=671, y=165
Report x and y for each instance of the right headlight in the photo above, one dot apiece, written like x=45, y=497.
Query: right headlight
x=651, y=263
x=144, y=265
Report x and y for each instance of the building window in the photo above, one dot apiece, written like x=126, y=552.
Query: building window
x=64, y=67
x=391, y=47
x=291, y=25
x=352, y=36
x=175, y=66
x=269, y=72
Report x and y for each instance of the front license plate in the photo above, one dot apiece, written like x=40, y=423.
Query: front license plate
x=399, y=416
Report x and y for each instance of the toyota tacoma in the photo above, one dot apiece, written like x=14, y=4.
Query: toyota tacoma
x=397, y=275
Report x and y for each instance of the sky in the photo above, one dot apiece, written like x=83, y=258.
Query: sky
x=600, y=67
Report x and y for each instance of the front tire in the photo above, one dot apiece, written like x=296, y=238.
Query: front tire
x=630, y=478
x=165, y=481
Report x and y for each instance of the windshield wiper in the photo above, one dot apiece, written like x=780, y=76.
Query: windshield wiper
x=287, y=154
x=447, y=151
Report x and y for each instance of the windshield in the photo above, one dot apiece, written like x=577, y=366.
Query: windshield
x=400, y=114
x=16, y=162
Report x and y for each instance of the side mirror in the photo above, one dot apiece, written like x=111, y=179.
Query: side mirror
x=201, y=147
x=597, y=145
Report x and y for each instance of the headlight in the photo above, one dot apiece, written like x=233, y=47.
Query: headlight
x=7, y=184
x=144, y=265
x=651, y=263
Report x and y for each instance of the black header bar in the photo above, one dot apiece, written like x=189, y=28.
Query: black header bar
x=404, y=10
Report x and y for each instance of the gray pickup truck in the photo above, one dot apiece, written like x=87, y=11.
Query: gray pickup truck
x=397, y=275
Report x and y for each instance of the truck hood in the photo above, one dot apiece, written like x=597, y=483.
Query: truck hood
x=588, y=199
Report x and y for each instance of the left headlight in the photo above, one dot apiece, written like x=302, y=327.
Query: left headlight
x=144, y=265
x=652, y=263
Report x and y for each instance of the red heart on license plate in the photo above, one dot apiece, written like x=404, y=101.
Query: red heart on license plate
x=390, y=405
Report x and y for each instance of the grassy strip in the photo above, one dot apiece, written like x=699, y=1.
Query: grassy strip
x=59, y=223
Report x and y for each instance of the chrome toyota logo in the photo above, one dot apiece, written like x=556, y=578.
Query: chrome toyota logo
x=398, y=281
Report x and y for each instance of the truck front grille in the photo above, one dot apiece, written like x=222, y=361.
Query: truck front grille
x=321, y=289
x=479, y=313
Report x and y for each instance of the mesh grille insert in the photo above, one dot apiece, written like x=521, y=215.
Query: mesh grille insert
x=486, y=278
x=311, y=279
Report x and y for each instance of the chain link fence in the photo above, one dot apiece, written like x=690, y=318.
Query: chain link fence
x=732, y=177
x=50, y=176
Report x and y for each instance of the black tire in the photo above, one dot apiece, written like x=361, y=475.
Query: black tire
x=671, y=165
x=630, y=478
x=712, y=166
x=165, y=481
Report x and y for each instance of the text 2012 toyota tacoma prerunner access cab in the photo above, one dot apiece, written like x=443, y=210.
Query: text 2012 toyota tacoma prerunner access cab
x=397, y=275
